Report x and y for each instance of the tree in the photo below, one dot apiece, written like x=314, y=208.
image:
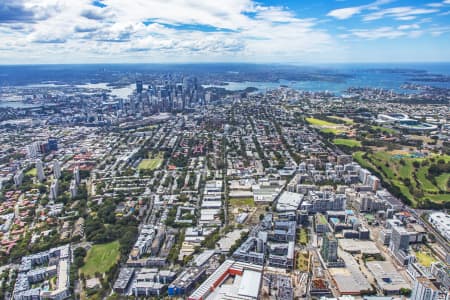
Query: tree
x=405, y=292
x=407, y=181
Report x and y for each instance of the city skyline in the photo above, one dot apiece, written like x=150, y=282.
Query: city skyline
x=111, y=31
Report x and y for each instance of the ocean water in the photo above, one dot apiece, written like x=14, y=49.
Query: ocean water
x=334, y=78
x=386, y=76
x=121, y=92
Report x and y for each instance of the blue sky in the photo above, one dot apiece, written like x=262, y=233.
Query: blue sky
x=154, y=31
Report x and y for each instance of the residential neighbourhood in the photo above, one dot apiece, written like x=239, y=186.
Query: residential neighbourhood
x=281, y=194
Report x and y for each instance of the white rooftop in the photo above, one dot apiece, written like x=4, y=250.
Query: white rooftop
x=250, y=284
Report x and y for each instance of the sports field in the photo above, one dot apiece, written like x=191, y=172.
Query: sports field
x=151, y=163
x=100, y=258
x=327, y=127
x=318, y=122
x=347, y=142
x=235, y=202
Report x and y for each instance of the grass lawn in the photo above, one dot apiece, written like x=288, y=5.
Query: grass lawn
x=422, y=175
x=396, y=174
x=383, y=163
x=241, y=202
x=346, y=120
x=358, y=156
x=384, y=129
x=442, y=181
x=150, y=164
x=32, y=172
x=303, y=236
x=406, y=170
x=322, y=219
x=327, y=127
x=347, y=142
x=424, y=258
x=332, y=130
x=100, y=258
x=52, y=282
x=438, y=198
x=318, y=122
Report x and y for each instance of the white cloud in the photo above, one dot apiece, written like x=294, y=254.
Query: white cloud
x=373, y=34
x=402, y=13
x=437, y=31
x=184, y=30
x=275, y=14
x=435, y=4
x=173, y=29
x=407, y=27
x=348, y=12
x=345, y=13
x=388, y=32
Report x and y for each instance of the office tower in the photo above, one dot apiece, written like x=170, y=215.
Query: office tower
x=54, y=190
x=40, y=170
x=424, y=289
x=56, y=169
x=18, y=178
x=52, y=144
x=76, y=175
x=329, y=248
x=399, y=239
x=139, y=86
x=208, y=96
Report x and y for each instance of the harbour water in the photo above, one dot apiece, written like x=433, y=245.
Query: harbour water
x=335, y=78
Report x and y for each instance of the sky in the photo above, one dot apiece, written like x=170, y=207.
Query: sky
x=181, y=31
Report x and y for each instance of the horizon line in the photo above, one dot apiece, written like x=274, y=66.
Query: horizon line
x=225, y=63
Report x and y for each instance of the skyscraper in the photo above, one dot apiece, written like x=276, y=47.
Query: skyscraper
x=18, y=178
x=56, y=169
x=76, y=175
x=73, y=189
x=424, y=289
x=54, y=190
x=139, y=86
x=40, y=170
